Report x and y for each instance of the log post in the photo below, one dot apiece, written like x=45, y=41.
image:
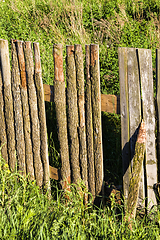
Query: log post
x=42, y=115
x=60, y=107
x=72, y=114
x=89, y=126
x=25, y=111
x=19, y=134
x=3, y=136
x=35, y=128
x=82, y=129
x=8, y=102
x=134, y=182
x=96, y=108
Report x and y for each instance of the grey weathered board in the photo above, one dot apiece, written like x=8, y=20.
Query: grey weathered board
x=146, y=75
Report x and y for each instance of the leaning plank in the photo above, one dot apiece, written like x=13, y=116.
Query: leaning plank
x=96, y=108
x=146, y=74
x=41, y=114
x=3, y=136
x=72, y=113
x=89, y=126
x=33, y=113
x=8, y=102
x=19, y=133
x=134, y=103
x=25, y=111
x=60, y=107
x=122, y=56
x=81, y=110
x=134, y=182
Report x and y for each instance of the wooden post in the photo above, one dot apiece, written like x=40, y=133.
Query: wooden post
x=60, y=107
x=96, y=108
x=72, y=113
x=19, y=134
x=42, y=114
x=25, y=111
x=134, y=182
x=8, y=102
x=122, y=56
x=3, y=137
x=134, y=103
x=82, y=128
x=146, y=74
x=89, y=126
x=35, y=128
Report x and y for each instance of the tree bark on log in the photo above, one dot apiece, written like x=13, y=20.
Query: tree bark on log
x=72, y=114
x=8, y=102
x=3, y=136
x=60, y=107
x=96, y=108
x=81, y=110
x=25, y=112
x=42, y=115
x=134, y=182
x=19, y=134
x=35, y=128
x=89, y=126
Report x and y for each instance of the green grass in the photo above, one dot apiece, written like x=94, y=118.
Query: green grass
x=27, y=213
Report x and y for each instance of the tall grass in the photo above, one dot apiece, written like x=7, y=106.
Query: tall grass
x=27, y=213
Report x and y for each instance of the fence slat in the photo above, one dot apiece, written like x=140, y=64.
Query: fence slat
x=146, y=74
x=8, y=102
x=32, y=97
x=3, y=137
x=41, y=114
x=89, y=126
x=122, y=56
x=96, y=108
x=60, y=107
x=81, y=110
x=72, y=113
x=25, y=111
x=19, y=133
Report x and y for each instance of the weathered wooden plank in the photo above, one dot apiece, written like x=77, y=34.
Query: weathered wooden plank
x=41, y=114
x=19, y=133
x=60, y=107
x=54, y=173
x=8, y=102
x=96, y=113
x=122, y=56
x=110, y=103
x=35, y=128
x=82, y=128
x=146, y=75
x=134, y=103
x=72, y=114
x=89, y=126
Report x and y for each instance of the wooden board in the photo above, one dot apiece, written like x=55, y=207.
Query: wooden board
x=146, y=75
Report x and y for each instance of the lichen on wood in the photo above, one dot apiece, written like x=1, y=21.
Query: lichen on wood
x=60, y=107
x=72, y=114
x=35, y=127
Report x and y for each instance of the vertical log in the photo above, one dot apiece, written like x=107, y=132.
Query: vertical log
x=134, y=103
x=25, y=112
x=146, y=74
x=19, y=134
x=72, y=113
x=122, y=56
x=35, y=128
x=60, y=107
x=3, y=137
x=96, y=107
x=42, y=115
x=82, y=130
x=8, y=102
x=89, y=126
